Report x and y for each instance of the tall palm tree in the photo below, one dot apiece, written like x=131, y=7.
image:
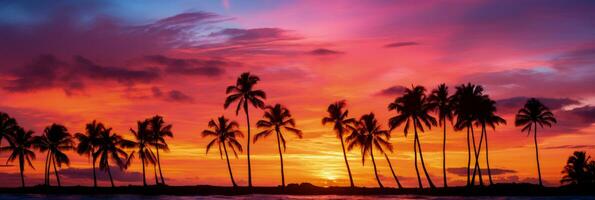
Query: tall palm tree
x=443, y=104
x=466, y=102
x=87, y=143
x=413, y=108
x=341, y=124
x=110, y=146
x=7, y=125
x=370, y=136
x=225, y=133
x=20, y=146
x=55, y=140
x=532, y=114
x=244, y=93
x=275, y=119
x=142, y=136
x=160, y=132
x=487, y=117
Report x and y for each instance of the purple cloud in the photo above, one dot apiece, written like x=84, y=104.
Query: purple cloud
x=513, y=104
x=392, y=91
x=172, y=95
x=324, y=52
x=400, y=44
x=202, y=67
x=462, y=171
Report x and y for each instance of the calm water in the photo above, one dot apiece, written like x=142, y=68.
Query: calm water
x=263, y=197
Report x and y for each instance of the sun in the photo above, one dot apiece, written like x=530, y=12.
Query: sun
x=328, y=175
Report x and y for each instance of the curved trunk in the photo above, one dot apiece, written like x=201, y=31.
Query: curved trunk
x=109, y=172
x=22, y=168
x=56, y=172
x=537, y=155
x=415, y=159
x=94, y=175
x=155, y=172
x=468, y=159
x=393, y=171
x=281, y=158
x=229, y=165
x=421, y=159
x=375, y=171
x=142, y=158
x=444, y=153
x=159, y=164
x=487, y=156
x=477, y=150
x=248, y=146
x=46, y=170
x=346, y=163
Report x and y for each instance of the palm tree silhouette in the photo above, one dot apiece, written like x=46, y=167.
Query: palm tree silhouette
x=20, y=144
x=225, y=133
x=341, y=124
x=7, y=125
x=160, y=131
x=110, y=146
x=55, y=140
x=414, y=108
x=243, y=92
x=276, y=118
x=532, y=114
x=486, y=116
x=466, y=101
x=369, y=135
x=87, y=143
x=443, y=104
x=579, y=169
x=142, y=136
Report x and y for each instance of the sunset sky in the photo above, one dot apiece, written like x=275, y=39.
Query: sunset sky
x=71, y=62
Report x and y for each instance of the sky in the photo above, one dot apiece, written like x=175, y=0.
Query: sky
x=71, y=62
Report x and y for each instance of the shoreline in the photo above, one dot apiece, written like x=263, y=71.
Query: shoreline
x=307, y=189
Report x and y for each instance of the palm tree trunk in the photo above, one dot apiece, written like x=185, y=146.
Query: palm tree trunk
x=393, y=171
x=109, y=172
x=94, y=174
x=229, y=166
x=45, y=168
x=476, y=150
x=281, y=158
x=537, y=154
x=415, y=161
x=375, y=170
x=468, y=159
x=22, y=168
x=142, y=158
x=248, y=146
x=444, y=153
x=421, y=158
x=159, y=164
x=346, y=163
x=56, y=172
x=155, y=171
x=487, y=156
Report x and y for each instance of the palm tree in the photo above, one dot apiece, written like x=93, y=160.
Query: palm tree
x=532, y=114
x=110, y=146
x=55, y=140
x=414, y=108
x=276, y=118
x=87, y=143
x=7, y=125
x=160, y=131
x=20, y=144
x=466, y=102
x=443, y=102
x=579, y=170
x=244, y=93
x=369, y=136
x=225, y=133
x=142, y=136
x=487, y=117
x=341, y=124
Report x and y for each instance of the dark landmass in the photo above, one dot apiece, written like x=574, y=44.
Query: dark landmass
x=309, y=189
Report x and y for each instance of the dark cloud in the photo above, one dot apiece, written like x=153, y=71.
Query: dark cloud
x=324, y=52
x=392, y=91
x=462, y=171
x=255, y=35
x=47, y=71
x=87, y=173
x=206, y=67
x=570, y=147
x=172, y=95
x=400, y=44
x=513, y=104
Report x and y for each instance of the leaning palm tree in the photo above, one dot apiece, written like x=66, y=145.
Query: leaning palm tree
x=370, y=136
x=275, y=119
x=532, y=114
x=225, y=133
x=414, y=109
x=7, y=125
x=142, y=137
x=244, y=93
x=55, y=140
x=110, y=146
x=443, y=102
x=20, y=146
x=341, y=124
x=486, y=116
x=160, y=132
x=87, y=143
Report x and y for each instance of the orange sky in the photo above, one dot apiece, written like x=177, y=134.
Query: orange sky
x=308, y=55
